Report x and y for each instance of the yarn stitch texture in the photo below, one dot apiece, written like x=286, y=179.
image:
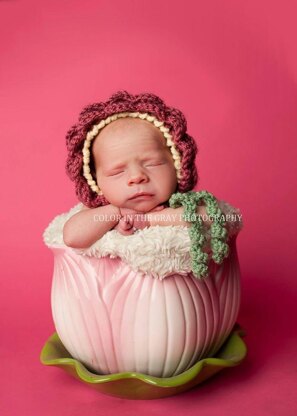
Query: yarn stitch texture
x=122, y=102
x=219, y=234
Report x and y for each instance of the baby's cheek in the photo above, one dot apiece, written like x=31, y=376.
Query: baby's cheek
x=167, y=185
x=112, y=190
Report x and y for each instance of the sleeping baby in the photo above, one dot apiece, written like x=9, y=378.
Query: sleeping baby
x=136, y=290
x=128, y=156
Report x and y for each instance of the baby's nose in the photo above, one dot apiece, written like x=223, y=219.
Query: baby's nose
x=137, y=176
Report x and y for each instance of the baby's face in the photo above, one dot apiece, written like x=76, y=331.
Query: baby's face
x=131, y=157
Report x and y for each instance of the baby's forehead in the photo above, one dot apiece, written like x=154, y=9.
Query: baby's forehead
x=129, y=124
x=114, y=132
x=129, y=137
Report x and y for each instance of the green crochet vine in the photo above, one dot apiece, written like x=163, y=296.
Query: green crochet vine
x=218, y=232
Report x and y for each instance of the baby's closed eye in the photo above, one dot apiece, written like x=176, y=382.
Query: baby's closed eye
x=155, y=163
x=116, y=173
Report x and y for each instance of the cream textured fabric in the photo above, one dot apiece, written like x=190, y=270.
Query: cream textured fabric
x=164, y=250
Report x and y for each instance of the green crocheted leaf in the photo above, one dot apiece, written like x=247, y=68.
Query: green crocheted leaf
x=219, y=233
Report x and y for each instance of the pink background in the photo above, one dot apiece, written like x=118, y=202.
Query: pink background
x=231, y=67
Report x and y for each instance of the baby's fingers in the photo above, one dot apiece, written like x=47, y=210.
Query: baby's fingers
x=126, y=232
x=125, y=223
x=125, y=226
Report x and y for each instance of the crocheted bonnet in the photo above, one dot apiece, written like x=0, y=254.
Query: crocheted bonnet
x=146, y=106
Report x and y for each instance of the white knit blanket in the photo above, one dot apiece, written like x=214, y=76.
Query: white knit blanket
x=158, y=250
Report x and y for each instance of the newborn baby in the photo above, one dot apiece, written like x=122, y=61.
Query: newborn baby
x=133, y=164
x=154, y=302
x=134, y=169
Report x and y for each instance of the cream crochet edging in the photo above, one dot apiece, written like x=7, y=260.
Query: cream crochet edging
x=97, y=127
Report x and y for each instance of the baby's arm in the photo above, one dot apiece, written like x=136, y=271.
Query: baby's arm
x=173, y=216
x=89, y=225
x=169, y=216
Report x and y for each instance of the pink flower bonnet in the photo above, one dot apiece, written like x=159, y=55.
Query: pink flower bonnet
x=169, y=120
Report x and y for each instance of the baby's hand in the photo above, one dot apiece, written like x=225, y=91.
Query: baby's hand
x=125, y=225
x=133, y=220
x=140, y=219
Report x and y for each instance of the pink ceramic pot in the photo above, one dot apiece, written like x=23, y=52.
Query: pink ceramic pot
x=114, y=319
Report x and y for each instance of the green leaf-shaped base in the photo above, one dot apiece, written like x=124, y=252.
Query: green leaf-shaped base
x=142, y=386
